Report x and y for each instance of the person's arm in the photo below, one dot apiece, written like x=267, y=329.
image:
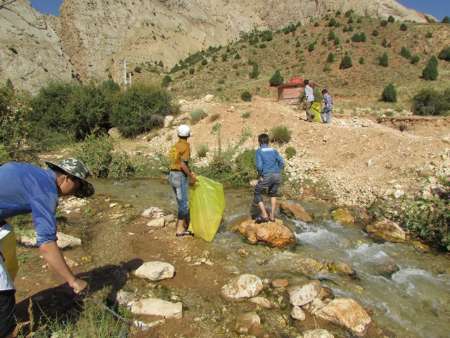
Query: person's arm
x=185, y=157
x=259, y=162
x=280, y=161
x=56, y=261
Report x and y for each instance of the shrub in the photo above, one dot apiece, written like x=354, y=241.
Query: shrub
x=446, y=19
x=202, y=150
x=383, y=60
x=191, y=71
x=262, y=46
x=346, y=62
x=204, y=62
x=237, y=56
x=406, y=53
x=389, y=93
x=333, y=23
x=166, y=81
x=349, y=13
x=140, y=109
x=96, y=153
x=361, y=60
x=255, y=71
x=429, y=35
x=432, y=102
x=290, y=152
x=415, y=59
x=391, y=19
x=245, y=115
x=383, y=23
x=121, y=166
x=246, y=96
x=375, y=33
x=311, y=46
x=359, y=37
x=331, y=58
x=197, y=115
x=403, y=27
x=445, y=54
x=331, y=35
x=245, y=168
x=280, y=134
x=276, y=79
x=386, y=44
x=430, y=72
x=266, y=35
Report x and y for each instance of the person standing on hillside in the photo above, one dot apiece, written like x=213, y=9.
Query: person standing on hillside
x=327, y=108
x=309, y=96
x=26, y=188
x=269, y=165
x=179, y=177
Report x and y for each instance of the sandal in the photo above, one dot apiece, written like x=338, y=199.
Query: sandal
x=260, y=220
x=184, y=233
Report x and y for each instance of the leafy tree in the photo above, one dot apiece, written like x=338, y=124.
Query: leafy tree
x=276, y=79
x=432, y=102
x=430, y=72
x=383, y=60
x=346, y=62
x=389, y=93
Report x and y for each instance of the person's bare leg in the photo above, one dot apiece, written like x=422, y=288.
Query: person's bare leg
x=273, y=201
x=180, y=226
x=263, y=210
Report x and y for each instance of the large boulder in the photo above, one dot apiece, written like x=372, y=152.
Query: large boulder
x=387, y=230
x=243, y=286
x=155, y=271
x=295, y=210
x=275, y=234
x=343, y=216
x=304, y=294
x=347, y=313
x=317, y=333
x=157, y=307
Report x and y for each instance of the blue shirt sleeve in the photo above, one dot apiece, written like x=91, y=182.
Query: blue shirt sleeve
x=43, y=211
x=259, y=162
x=280, y=160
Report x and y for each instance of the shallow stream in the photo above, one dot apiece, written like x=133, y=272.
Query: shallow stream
x=407, y=292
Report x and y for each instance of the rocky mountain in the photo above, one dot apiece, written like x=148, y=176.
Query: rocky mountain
x=92, y=38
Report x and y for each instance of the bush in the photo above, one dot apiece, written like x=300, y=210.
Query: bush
x=290, y=152
x=197, y=115
x=331, y=58
x=140, y=109
x=266, y=35
x=383, y=60
x=403, y=27
x=446, y=19
x=276, y=79
x=346, y=62
x=383, y=23
x=430, y=72
x=246, y=96
x=391, y=19
x=445, y=54
x=415, y=59
x=245, y=167
x=386, y=44
x=311, y=46
x=255, y=71
x=96, y=153
x=331, y=35
x=280, y=134
x=121, y=166
x=349, y=13
x=389, y=93
x=406, y=53
x=166, y=81
x=191, y=71
x=359, y=37
x=202, y=150
x=429, y=35
x=333, y=23
x=204, y=62
x=432, y=102
x=375, y=33
x=245, y=115
x=361, y=60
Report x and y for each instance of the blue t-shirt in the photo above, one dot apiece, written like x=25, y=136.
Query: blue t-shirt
x=268, y=161
x=25, y=188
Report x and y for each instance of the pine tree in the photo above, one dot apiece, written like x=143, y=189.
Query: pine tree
x=276, y=79
x=346, y=62
x=389, y=93
x=384, y=60
x=430, y=72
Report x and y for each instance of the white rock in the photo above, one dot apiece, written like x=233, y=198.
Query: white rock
x=208, y=98
x=301, y=295
x=317, y=333
x=261, y=301
x=157, y=223
x=155, y=271
x=153, y=212
x=168, y=120
x=125, y=298
x=243, y=286
x=248, y=322
x=297, y=313
x=157, y=307
x=169, y=218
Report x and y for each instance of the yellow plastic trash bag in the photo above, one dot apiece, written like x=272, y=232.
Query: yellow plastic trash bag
x=316, y=109
x=206, y=205
x=8, y=249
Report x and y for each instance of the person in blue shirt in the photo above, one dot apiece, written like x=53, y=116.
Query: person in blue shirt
x=269, y=165
x=25, y=188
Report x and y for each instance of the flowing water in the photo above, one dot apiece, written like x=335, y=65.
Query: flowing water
x=407, y=292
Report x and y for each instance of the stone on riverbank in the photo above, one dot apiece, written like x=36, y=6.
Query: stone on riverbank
x=243, y=286
x=261, y=301
x=155, y=271
x=295, y=210
x=297, y=313
x=304, y=294
x=275, y=234
x=343, y=216
x=317, y=333
x=347, y=313
x=248, y=323
x=63, y=241
x=388, y=231
x=280, y=283
x=157, y=307
x=153, y=212
x=157, y=223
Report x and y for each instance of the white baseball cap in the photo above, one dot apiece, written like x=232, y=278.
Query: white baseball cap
x=184, y=131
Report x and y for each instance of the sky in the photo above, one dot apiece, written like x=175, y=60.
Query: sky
x=437, y=8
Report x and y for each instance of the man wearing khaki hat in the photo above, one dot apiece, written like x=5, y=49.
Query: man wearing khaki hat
x=25, y=188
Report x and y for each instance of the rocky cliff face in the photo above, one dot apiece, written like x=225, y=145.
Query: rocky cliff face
x=30, y=49
x=96, y=35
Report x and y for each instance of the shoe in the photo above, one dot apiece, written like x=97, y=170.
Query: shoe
x=260, y=220
x=184, y=233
